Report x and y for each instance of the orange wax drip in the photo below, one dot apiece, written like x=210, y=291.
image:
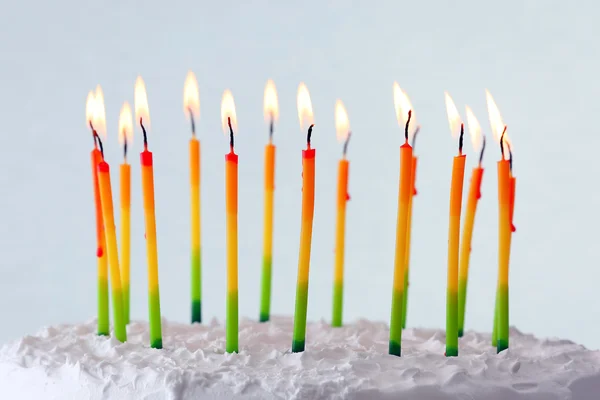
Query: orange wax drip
x=513, y=182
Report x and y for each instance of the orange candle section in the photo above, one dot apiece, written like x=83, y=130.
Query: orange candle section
x=125, y=192
x=465, y=244
x=231, y=208
x=102, y=260
x=404, y=194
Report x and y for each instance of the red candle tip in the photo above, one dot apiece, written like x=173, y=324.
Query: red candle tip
x=103, y=167
x=513, y=228
x=231, y=157
x=146, y=158
x=99, y=252
x=308, y=153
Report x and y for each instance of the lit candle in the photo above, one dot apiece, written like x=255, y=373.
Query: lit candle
x=500, y=334
x=95, y=119
x=456, y=191
x=404, y=195
x=478, y=142
x=305, y=114
x=125, y=138
x=229, y=120
x=271, y=112
x=403, y=106
x=191, y=108
x=143, y=116
x=342, y=126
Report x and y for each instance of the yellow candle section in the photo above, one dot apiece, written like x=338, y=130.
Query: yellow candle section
x=404, y=194
x=265, y=302
x=465, y=244
x=231, y=208
x=112, y=250
x=408, y=239
x=338, y=277
x=151, y=250
x=125, y=192
x=456, y=191
x=196, y=263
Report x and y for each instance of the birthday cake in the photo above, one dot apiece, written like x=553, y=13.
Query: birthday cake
x=72, y=362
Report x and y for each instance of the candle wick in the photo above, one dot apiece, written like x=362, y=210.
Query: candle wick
x=145, y=136
x=510, y=158
x=502, y=142
x=460, y=139
x=481, y=152
x=192, y=121
x=93, y=134
x=230, y=134
x=406, y=127
x=415, y=136
x=100, y=143
x=124, y=147
x=346, y=143
x=310, y=128
x=271, y=128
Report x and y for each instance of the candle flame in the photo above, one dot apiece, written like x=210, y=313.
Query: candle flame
x=453, y=116
x=191, y=96
x=402, y=105
x=95, y=112
x=141, y=103
x=342, y=124
x=305, y=111
x=228, y=111
x=271, y=104
x=474, y=129
x=496, y=123
x=125, y=124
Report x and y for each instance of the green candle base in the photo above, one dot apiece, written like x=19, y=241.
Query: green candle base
x=462, y=301
x=265, y=297
x=460, y=333
x=103, y=320
x=338, y=301
x=156, y=344
x=155, y=320
x=502, y=345
x=395, y=348
x=298, y=346
x=451, y=351
x=231, y=328
x=196, y=311
x=126, y=303
x=120, y=326
x=405, y=300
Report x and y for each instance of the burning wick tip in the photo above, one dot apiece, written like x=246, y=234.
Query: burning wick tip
x=502, y=142
x=460, y=138
x=310, y=128
x=145, y=136
x=346, y=143
x=192, y=121
x=407, y=125
x=230, y=134
x=481, y=152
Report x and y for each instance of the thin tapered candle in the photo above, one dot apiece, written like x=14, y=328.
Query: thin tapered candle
x=271, y=111
x=456, y=191
x=112, y=250
x=191, y=108
x=125, y=137
x=408, y=240
x=308, y=207
x=228, y=117
x=402, y=105
x=474, y=195
x=147, y=165
x=343, y=134
x=95, y=114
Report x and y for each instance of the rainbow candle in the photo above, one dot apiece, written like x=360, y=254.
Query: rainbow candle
x=228, y=117
x=271, y=111
x=342, y=126
x=456, y=191
x=474, y=195
x=305, y=115
x=413, y=192
x=404, y=195
x=112, y=250
x=504, y=233
x=125, y=137
x=147, y=165
x=191, y=108
x=95, y=115
x=102, y=261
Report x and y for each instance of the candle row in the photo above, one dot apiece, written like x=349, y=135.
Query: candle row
x=458, y=248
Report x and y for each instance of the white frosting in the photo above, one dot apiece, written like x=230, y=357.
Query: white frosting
x=70, y=361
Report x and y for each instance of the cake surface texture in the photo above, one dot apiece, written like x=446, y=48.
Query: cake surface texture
x=72, y=362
